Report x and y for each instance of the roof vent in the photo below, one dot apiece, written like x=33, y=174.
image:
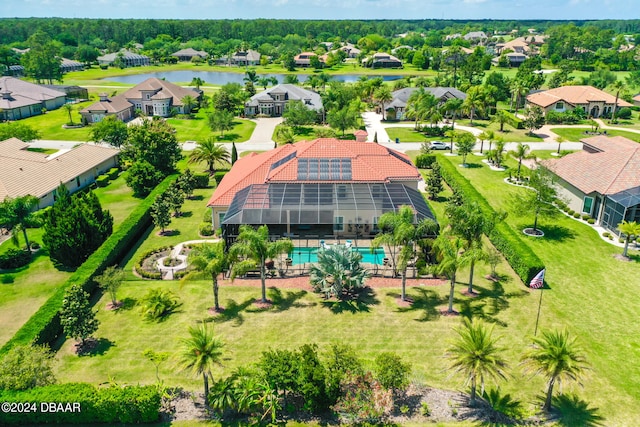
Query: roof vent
x=103, y=97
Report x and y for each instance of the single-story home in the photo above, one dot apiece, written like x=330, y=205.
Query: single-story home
x=38, y=174
x=303, y=59
x=126, y=57
x=154, y=97
x=602, y=180
x=67, y=65
x=272, y=101
x=325, y=187
x=382, y=60
x=594, y=102
x=636, y=100
x=398, y=105
x=189, y=53
x=20, y=99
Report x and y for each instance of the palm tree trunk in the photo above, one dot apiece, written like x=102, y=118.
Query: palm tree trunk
x=472, y=398
x=471, y=268
x=263, y=279
x=26, y=239
x=547, y=402
x=626, y=246
x=535, y=224
x=215, y=293
x=519, y=166
x=453, y=284
x=206, y=388
x=403, y=297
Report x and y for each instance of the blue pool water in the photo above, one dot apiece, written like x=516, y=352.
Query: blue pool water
x=307, y=255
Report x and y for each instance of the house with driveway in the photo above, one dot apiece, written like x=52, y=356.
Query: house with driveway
x=153, y=97
x=602, y=180
x=398, y=105
x=20, y=99
x=594, y=102
x=325, y=188
x=26, y=172
x=272, y=101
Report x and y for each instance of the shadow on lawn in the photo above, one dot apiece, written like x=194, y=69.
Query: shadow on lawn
x=427, y=302
x=362, y=302
x=285, y=302
x=575, y=412
x=98, y=347
x=489, y=303
x=552, y=232
x=232, y=312
x=126, y=304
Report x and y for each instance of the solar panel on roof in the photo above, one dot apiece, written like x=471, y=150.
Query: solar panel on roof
x=324, y=169
x=313, y=169
x=346, y=169
x=303, y=166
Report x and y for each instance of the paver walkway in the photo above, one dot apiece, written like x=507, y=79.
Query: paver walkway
x=168, y=272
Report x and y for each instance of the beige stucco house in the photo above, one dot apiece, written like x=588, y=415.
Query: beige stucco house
x=594, y=102
x=20, y=99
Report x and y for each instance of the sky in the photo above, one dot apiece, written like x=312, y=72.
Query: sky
x=325, y=9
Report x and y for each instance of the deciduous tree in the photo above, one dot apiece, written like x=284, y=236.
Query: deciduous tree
x=77, y=318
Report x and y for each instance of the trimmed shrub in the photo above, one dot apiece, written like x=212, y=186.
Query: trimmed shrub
x=14, y=258
x=606, y=234
x=44, y=326
x=155, y=275
x=7, y=279
x=522, y=259
x=201, y=180
x=591, y=221
x=113, y=173
x=571, y=212
x=576, y=215
x=112, y=405
x=219, y=175
x=624, y=113
x=513, y=121
x=424, y=161
x=102, y=180
x=206, y=229
x=585, y=216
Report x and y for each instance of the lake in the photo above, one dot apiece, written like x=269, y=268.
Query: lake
x=221, y=77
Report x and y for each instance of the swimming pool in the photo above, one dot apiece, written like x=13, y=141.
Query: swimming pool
x=307, y=255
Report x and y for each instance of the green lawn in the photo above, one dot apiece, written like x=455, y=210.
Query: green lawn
x=410, y=135
x=509, y=134
x=308, y=133
x=576, y=134
x=50, y=124
x=197, y=129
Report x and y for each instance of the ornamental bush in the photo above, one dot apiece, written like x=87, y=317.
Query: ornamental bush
x=102, y=180
x=424, y=161
x=201, y=180
x=14, y=258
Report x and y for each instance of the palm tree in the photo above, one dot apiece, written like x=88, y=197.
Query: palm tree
x=18, y=215
x=200, y=352
x=487, y=135
x=285, y=134
x=415, y=106
x=555, y=356
x=69, y=109
x=188, y=103
x=211, y=260
x=338, y=270
x=251, y=76
x=501, y=117
x=252, y=249
x=453, y=106
x=211, y=153
x=324, y=78
x=559, y=140
x=383, y=95
x=451, y=256
x=629, y=229
x=520, y=153
x=264, y=82
x=475, y=354
x=518, y=89
x=197, y=82
x=399, y=229
x=618, y=86
x=473, y=103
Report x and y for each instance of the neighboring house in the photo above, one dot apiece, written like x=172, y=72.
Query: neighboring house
x=154, y=97
x=594, y=102
x=68, y=65
x=189, y=53
x=272, y=101
x=453, y=36
x=26, y=172
x=303, y=59
x=351, y=50
x=127, y=59
x=72, y=91
x=326, y=187
x=14, y=70
x=20, y=99
x=398, y=105
x=476, y=37
x=382, y=60
x=527, y=45
x=246, y=58
x=514, y=59
x=636, y=100
x=602, y=180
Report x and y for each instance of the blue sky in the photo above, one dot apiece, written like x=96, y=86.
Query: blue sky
x=325, y=9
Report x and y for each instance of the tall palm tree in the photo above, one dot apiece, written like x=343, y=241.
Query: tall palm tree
x=618, y=86
x=629, y=229
x=520, y=153
x=69, y=109
x=450, y=253
x=264, y=82
x=557, y=357
x=251, y=76
x=383, y=95
x=252, y=249
x=324, y=78
x=501, y=117
x=473, y=102
x=210, y=153
x=453, y=106
x=399, y=229
x=518, y=90
x=197, y=82
x=487, y=135
x=475, y=354
x=210, y=260
x=188, y=103
x=559, y=140
x=415, y=107
x=18, y=215
x=200, y=352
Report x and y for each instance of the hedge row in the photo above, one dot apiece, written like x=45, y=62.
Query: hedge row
x=81, y=404
x=514, y=121
x=44, y=326
x=102, y=180
x=522, y=259
x=424, y=161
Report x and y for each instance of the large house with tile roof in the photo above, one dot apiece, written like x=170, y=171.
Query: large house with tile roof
x=25, y=172
x=326, y=187
x=124, y=58
x=594, y=102
x=20, y=99
x=400, y=98
x=189, y=53
x=154, y=97
x=272, y=101
x=602, y=180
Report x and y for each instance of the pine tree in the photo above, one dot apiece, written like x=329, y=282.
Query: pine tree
x=434, y=181
x=234, y=153
x=161, y=213
x=76, y=317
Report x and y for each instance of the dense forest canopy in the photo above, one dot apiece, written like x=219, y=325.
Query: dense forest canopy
x=78, y=31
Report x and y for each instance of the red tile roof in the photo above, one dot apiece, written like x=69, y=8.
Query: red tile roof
x=369, y=163
x=574, y=95
x=614, y=167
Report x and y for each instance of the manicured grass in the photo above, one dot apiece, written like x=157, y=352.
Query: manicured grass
x=576, y=134
x=308, y=133
x=118, y=198
x=50, y=124
x=197, y=129
x=509, y=134
x=47, y=151
x=410, y=135
x=589, y=295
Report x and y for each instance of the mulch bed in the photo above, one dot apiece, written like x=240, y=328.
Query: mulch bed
x=302, y=282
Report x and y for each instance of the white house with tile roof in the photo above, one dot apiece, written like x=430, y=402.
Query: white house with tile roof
x=20, y=99
x=272, y=101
